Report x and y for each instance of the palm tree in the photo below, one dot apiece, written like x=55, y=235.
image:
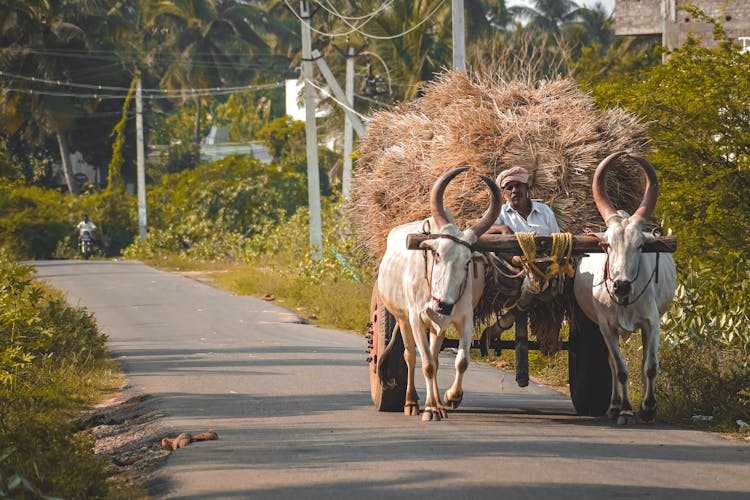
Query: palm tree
x=597, y=26
x=548, y=15
x=483, y=17
x=32, y=33
x=414, y=37
x=204, y=43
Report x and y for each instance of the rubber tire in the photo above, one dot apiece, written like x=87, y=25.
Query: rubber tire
x=383, y=323
x=589, y=374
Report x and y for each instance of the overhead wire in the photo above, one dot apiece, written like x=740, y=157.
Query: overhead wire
x=357, y=29
x=108, y=92
x=406, y=32
x=344, y=105
x=368, y=16
x=303, y=21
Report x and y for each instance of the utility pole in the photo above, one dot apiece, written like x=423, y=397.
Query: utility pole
x=336, y=89
x=311, y=136
x=459, y=39
x=349, y=55
x=141, y=163
x=346, y=175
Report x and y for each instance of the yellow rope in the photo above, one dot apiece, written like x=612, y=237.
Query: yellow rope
x=559, y=258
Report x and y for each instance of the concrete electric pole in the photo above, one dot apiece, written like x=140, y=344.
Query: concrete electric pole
x=311, y=136
x=459, y=39
x=141, y=161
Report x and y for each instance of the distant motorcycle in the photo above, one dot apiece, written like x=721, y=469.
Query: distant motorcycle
x=86, y=244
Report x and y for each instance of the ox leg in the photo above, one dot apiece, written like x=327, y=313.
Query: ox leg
x=433, y=408
x=411, y=405
x=619, y=406
x=455, y=394
x=436, y=342
x=650, y=339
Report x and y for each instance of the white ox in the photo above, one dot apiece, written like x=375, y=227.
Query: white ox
x=624, y=289
x=427, y=291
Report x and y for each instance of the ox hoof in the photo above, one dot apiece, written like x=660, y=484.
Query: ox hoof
x=453, y=401
x=613, y=413
x=432, y=414
x=626, y=418
x=411, y=409
x=647, y=415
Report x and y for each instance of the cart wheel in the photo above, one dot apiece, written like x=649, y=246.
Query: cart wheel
x=387, y=360
x=588, y=366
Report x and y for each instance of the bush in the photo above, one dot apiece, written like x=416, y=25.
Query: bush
x=31, y=219
x=49, y=357
x=334, y=289
x=705, y=379
x=208, y=213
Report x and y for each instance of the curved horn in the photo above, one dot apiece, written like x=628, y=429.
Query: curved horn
x=599, y=188
x=436, y=196
x=652, y=187
x=492, y=213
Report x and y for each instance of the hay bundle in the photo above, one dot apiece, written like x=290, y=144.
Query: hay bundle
x=553, y=129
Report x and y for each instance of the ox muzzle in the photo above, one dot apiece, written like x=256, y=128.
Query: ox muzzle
x=621, y=288
x=444, y=308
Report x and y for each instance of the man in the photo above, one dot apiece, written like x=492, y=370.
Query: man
x=85, y=225
x=521, y=214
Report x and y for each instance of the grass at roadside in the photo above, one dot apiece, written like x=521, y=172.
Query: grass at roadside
x=53, y=366
x=328, y=301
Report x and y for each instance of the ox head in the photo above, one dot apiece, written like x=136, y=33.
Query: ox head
x=451, y=250
x=624, y=237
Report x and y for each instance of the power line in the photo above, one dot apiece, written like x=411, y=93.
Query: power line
x=368, y=16
x=111, y=92
x=355, y=28
x=406, y=32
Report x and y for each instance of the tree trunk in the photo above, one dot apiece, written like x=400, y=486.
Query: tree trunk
x=66, y=166
x=197, y=128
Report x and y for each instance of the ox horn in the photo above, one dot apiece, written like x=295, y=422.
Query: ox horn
x=599, y=187
x=489, y=218
x=648, y=203
x=436, y=196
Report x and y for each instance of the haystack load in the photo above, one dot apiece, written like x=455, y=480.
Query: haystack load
x=551, y=128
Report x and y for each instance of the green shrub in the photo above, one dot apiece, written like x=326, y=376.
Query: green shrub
x=31, y=219
x=208, y=213
x=705, y=379
x=334, y=289
x=50, y=366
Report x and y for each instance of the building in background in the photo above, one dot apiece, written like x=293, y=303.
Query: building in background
x=663, y=17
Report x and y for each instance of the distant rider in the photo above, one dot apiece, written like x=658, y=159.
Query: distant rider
x=85, y=226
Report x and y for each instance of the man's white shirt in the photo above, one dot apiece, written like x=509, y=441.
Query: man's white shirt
x=541, y=220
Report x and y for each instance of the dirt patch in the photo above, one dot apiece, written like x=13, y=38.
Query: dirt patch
x=128, y=431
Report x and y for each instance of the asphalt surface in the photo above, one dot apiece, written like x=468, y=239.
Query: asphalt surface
x=291, y=404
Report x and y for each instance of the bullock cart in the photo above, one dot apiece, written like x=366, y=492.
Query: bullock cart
x=559, y=135
x=588, y=368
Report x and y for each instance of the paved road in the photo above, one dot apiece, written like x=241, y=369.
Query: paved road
x=292, y=407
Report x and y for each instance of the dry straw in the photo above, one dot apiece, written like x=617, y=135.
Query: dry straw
x=552, y=128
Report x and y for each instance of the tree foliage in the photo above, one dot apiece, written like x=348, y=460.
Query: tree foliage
x=698, y=107
x=208, y=212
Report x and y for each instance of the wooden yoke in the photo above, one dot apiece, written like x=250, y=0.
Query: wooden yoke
x=582, y=244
